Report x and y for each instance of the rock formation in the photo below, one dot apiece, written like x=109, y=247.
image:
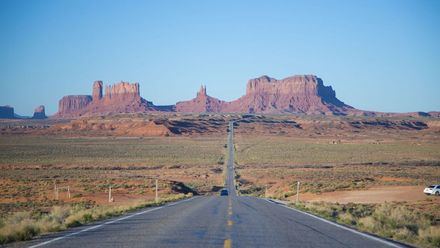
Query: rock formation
x=73, y=105
x=6, y=112
x=301, y=94
x=97, y=91
x=122, y=90
x=39, y=113
x=202, y=103
x=122, y=97
x=298, y=94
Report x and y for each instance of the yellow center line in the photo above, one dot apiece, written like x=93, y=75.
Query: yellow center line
x=230, y=222
x=228, y=243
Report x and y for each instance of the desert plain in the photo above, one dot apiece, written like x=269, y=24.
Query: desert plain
x=362, y=162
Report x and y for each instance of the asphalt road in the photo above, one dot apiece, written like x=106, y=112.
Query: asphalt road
x=213, y=221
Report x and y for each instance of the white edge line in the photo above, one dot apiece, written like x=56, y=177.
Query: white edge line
x=109, y=222
x=340, y=226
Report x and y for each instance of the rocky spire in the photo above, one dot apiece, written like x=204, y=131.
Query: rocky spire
x=97, y=90
x=202, y=91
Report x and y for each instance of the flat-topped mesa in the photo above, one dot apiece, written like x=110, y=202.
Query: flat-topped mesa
x=72, y=104
x=291, y=85
x=296, y=94
x=122, y=89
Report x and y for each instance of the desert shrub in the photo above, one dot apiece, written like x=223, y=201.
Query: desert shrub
x=431, y=235
x=391, y=220
x=252, y=190
x=347, y=218
x=19, y=226
x=24, y=225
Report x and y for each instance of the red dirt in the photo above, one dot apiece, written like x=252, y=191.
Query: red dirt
x=373, y=195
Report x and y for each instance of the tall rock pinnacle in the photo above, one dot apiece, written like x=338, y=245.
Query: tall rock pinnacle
x=97, y=91
x=202, y=91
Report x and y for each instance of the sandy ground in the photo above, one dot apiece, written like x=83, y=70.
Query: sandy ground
x=373, y=195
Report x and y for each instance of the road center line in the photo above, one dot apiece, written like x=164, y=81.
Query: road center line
x=227, y=243
x=109, y=222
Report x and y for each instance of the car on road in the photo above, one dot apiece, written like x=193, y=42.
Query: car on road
x=432, y=190
x=224, y=192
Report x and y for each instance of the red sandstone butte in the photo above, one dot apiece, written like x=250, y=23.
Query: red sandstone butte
x=297, y=94
x=73, y=105
x=122, y=97
x=300, y=94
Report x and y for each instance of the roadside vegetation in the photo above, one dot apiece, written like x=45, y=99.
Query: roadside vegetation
x=416, y=224
x=26, y=225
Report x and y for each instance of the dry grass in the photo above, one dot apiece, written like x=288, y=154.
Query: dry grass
x=276, y=150
x=410, y=223
x=154, y=151
x=321, y=166
x=25, y=225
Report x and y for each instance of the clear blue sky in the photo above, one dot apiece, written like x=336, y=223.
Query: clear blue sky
x=377, y=55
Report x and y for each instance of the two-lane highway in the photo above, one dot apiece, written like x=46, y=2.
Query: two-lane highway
x=214, y=221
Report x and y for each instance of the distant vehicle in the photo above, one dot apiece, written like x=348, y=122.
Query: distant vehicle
x=432, y=190
x=224, y=192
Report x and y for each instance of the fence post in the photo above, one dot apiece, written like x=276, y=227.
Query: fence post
x=110, y=198
x=56, y=192
x=297, y=193
x=68, y=192
x=156, y=199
